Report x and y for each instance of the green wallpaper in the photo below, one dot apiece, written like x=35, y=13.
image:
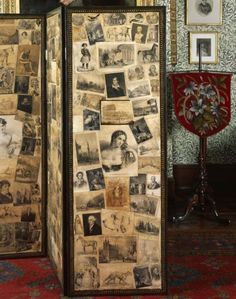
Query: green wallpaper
x=183, y=146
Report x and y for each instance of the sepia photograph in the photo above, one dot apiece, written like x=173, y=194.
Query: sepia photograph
x=151, y=247
x=91, y=101
x=89, y=200
x=25, y=194
x=6, y=192
x=144, y=204
x=94, y=30
x=27, y=169
x=148, y=53
x=139, y=33
x=34, y=87
x=95, y=179
x=152, y=36
x=25, y=103
x=204, y=12
x=116, y=112
x=28, y=60
x=93, y=82
x=117, y=192
x=84, y=59
x=140, y=130
x=118, y=34
x=92, y=224
x=139, y=89
x=147, y=225
x=136, y=72
x=80, y=181
x=10, y=137
x=7, y=238
x=91, y=120
x=113, y=19
x=145, y=107
x=142, y=277
x=8, y=55
x=116, y=277
x=149, y=165
x=8, y=104
x=154, y=185
x=153, y=70
x=118, y=249
x=118, y=150
x=28, y=146
x=86, y=275
x=22, y=84
x=137, y=184
x=25, y=37
x=117, y=222
x=7, y=77
x=115, y=85
x=116, y=55
x=87, y=149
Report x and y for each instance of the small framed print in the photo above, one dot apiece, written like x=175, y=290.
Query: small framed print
x=204, y=12
x=207, y=42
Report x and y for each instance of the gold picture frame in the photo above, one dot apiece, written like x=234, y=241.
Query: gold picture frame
x=208, y=42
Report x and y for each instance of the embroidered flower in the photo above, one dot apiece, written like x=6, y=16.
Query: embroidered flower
x=198, y=107
x=207, y=90
x=189, y=90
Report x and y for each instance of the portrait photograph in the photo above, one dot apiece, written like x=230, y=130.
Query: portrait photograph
x=153, y=185
x=87, y=149
x=10, y=137
x=116, y=112
x=118, y=150
x=117, y=222
x=136, y=72
x=7, y=77
x=6, y=196
x=95, y=179
x=93, y=82
x=139, y=33
x=28, y=146
x=8, y=104
x=117, y=192
x=115, y=85
x=207, y=43
x=92, y=224
x=116, y=55
x=204, y=12
x=139, y=89
x=80, y=181
x=25, y=37
x=25, y=103
x=116, y=277
x=89, y=200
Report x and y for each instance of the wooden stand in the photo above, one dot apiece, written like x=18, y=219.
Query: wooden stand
x=201, y=199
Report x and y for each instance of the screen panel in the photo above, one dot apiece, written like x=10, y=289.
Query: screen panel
x=116, y=164
x=22, y=136
x=55, y=151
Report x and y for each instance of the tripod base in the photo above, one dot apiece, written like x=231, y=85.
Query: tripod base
x=209, y=205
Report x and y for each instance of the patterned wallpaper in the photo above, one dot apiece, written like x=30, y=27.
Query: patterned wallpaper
x=183, y=146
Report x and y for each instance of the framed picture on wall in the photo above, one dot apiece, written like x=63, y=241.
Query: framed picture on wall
x=204, y=12
x=207, y=42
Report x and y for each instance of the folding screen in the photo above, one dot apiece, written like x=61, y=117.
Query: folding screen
x=22, y=137
x=114, y=153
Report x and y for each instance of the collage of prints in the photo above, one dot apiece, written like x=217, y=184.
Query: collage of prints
x=117, y=150
x=20, y=135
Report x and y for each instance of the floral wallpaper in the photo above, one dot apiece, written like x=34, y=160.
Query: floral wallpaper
x=183, y=146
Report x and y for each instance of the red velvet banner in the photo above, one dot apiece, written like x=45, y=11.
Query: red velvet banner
x=202, y=101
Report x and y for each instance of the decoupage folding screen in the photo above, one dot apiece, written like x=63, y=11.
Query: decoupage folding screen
x=115, y=156
x=22, y=136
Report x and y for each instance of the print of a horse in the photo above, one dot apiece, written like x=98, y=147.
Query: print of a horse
x=150, y=55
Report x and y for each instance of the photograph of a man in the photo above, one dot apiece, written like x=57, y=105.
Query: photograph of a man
x=92, y=224
x=204, y=7
x=115, y=84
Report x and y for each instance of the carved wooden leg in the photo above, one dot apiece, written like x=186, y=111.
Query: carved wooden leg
x=193, y=202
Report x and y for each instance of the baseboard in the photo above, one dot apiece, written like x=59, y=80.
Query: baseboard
x=222, y=178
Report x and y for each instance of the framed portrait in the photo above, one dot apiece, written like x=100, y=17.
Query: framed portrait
x=114, y=171
x=207, y=44
x=204, y=12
